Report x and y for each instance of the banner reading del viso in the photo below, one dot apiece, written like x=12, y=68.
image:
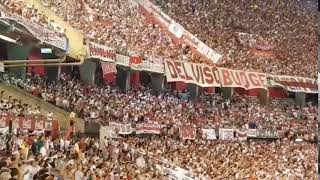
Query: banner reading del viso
x=210, y=76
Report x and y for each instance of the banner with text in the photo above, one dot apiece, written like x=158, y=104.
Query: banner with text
x=121, y=128
x=108, y=68
x=226, y=134
x=200, y=74
x=209, y=133
x=294, y=84
x=101, y=52
x=242, y=79
x=25, y=123
x=147, y=128
x=187, y=132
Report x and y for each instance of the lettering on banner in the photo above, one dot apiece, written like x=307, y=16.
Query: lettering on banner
x=101, y=52
x=252, y=132
x=263, y=133
x=294, y=84
x=200, y=74
x=108, y=67
x=48, y=125
x=3, y=121
x=15, y=123
x=39, y=125
x=226, y=134
x=187, y=132
x=26, y=124
x=122, y=60
x=152, y=67
x=122, y=128
x=209, y=133
x=243, y=79
x=148, y=128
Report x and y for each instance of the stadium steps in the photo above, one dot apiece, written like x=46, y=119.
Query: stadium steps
x=45, y=107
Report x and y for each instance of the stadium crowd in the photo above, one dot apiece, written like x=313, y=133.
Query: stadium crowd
x=20, y=8
x=106, y=104
x=277, y=37
x=77, y=157
x=238, y=28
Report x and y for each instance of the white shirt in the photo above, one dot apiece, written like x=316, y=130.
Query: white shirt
x=78, y=175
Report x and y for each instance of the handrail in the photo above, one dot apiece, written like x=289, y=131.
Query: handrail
x=48, y=64
x=38, y=60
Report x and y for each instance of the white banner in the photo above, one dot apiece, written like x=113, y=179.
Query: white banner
x=122, y=128
x=209, y=133
x=152, y=67
x=123, y=60
x=226, y=134
x=108, y=67
x=251, y=133
x=176, y=29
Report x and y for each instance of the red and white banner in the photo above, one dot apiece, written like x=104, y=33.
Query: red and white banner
x=101, y=52
x=226, y=134
x=242, y=79
x=122, y=128
x=241, y=135
x=187, y=132
x=209, y=133
x=147, y=128
x=294, y=84
x=200, y=74
x=210, y=76
x=25, y=123
x=108, y=67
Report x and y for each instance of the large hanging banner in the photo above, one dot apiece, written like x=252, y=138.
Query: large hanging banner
x=108, y=68
x=209, y=133
x=200, y=74
x=101, y=52
x=242, y=79
x=187, y=132
x=294, y=84
x=226, y=134
x=210, y=76
x=121, y=128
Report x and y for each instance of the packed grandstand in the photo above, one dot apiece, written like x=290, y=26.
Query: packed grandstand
x=159, y=89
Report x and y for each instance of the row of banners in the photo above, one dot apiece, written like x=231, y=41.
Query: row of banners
x=24, y=123
x=200, y=74
x=189, y=132
x=42, y=33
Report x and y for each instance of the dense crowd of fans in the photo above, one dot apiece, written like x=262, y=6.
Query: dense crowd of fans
x=274, y=37
x=41, y=157
x=20, y=8
x=105, y=104
x=287, y=28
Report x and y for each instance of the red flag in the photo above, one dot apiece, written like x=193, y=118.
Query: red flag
x=135, y=60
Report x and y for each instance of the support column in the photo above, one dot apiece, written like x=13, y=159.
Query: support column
x=16, y=52
x=300, y=99
x=263, y=96
x=193, y=90
x=227, y=92
x=157, y=82
x=87, y=71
